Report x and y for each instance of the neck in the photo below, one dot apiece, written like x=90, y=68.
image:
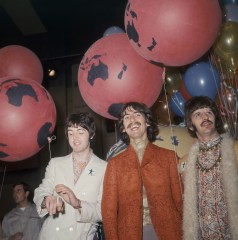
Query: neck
x=139, y=141
x=22, y=204
x=82, y=156
x=207, y=138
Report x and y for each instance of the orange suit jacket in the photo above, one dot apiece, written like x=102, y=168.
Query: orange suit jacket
x=122, y=195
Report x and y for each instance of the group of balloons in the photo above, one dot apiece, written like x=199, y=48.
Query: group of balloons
x=215, y=75
x=27, y=112
x=130, y=66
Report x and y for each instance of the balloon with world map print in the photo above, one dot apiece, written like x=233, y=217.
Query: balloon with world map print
x=111, y=73
x=20, y=62
x=175, y=32
x=28, y=117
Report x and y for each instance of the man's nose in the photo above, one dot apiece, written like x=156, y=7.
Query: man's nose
x=132, y=118
x=205, y=115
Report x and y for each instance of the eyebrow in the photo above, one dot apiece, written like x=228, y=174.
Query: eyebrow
x=131, y=113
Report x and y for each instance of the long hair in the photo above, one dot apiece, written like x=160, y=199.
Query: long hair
x=199, y=102
x=152, y=129
x=84, y=120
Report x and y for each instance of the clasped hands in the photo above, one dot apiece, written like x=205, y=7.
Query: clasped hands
x=55, y=204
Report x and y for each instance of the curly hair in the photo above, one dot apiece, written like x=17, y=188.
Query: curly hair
x=84, y=120
x=152, y=129
x=199, y=102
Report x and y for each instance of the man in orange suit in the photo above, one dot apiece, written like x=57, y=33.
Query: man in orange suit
x=142, y=197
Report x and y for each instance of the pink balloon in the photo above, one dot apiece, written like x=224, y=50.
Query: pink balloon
x=20, y=62
x=111, y=73
x=174, y=32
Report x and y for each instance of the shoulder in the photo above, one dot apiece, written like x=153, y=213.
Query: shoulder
x=60, y=160
x=161, y=151
x=11, y=213
x=98, y=161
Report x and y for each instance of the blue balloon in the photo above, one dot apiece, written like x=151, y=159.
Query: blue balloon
x=202, y=79
x=231, y=12
x=176, y=104
x=113, y=30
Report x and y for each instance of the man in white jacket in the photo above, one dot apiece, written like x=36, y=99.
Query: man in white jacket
x=71, y=192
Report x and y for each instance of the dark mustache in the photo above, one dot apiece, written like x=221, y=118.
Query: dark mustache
x=135, y=123
x=206, y=121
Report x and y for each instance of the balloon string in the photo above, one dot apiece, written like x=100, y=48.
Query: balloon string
x=4, y=173
x=172, y=133
x=50, y=139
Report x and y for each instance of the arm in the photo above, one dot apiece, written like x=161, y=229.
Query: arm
x=6, y=232
x=43, y=196
x=176, y=184
x=110, y=202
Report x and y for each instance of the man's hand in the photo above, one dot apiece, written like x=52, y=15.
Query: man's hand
x=53, y=204
x=17, y=236
x=68, y=195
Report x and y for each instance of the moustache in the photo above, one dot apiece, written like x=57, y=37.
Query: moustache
x=206, y=121
x=135, y=123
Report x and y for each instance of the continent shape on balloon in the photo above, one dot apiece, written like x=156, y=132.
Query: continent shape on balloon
x=111, y=73
x=20, y=62
x=28, y=117
x=174, y=32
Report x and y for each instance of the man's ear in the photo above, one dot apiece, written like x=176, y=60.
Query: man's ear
x=147, y=124
x=191, y=128
x=27, y=194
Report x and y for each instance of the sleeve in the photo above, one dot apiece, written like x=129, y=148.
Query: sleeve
x=5, y=230
x=176, y=184
x=110, y=202
x=46, y=188
x=91, y=212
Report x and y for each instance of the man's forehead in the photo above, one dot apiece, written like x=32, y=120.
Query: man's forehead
x=202, y=109
x=129, y=110
x=75, y=127
x=19, y=186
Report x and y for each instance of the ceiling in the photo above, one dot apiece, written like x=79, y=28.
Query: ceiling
x=54, y=28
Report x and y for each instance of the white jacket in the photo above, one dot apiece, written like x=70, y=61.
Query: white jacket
x=72, y=225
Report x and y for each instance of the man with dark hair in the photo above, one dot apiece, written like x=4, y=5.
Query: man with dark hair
x=22, y=222
x=71, y=192
x=210, y=176
x=142, y=197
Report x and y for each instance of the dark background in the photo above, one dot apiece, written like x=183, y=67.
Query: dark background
x=58, y=28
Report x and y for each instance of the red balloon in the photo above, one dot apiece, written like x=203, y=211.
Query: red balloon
x=111, y=73
x=28, y=117
x=184, y=91
x=174, y=32
x=20, y=62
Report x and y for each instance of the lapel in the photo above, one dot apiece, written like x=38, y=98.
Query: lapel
x=66, y=170
x=90, y=171
x=148, y=155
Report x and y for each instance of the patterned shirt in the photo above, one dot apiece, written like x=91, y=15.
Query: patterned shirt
x=212, y=206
